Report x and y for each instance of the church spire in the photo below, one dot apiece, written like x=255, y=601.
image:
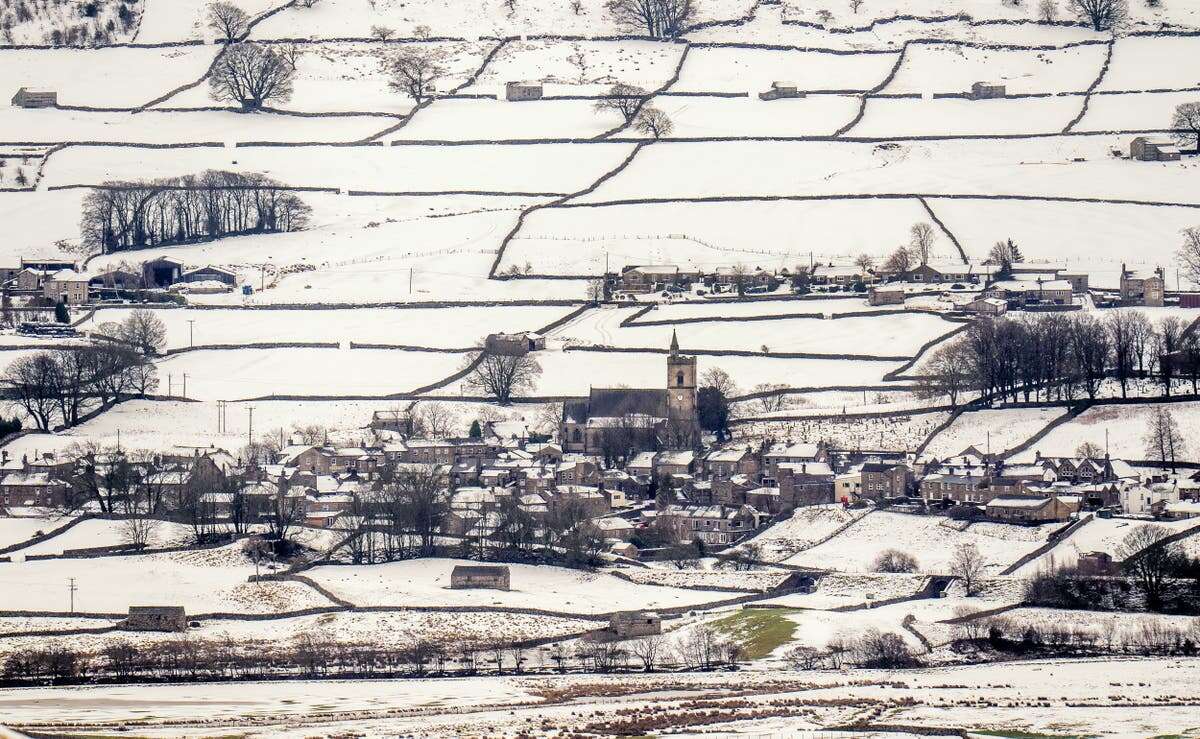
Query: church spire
x=674, y=342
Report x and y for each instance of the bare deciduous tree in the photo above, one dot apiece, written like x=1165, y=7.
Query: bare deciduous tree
x=251, y=75
x=1048, y=10
x=501, y=375
x=383, y=33
x=415, y=73
x=228, y=20
x=1146, y=556
x=894, y=560
x=138, y=530
x=1189, y=253
x=899, y=262
x=654, y=122
x=1186, y=124
x=1102, y=14
x=921, y=238
x=658, y=18
x=967, y=564
x=624, y=99
x=1164, y=442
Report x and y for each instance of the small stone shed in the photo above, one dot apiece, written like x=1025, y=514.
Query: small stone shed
x=519, y=91
x=987, y=91
x=635, y=623
x=781, y=89
x=466, y=577
x=29, y=98
x=155, y=618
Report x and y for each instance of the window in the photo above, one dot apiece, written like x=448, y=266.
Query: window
x=679, y=379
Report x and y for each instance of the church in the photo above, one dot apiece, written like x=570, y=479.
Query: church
x=635, y=419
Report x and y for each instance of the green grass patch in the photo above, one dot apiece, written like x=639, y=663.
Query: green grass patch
x=760, y=631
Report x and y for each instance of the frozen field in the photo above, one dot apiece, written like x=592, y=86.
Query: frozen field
x=443, y=328
x=426, y=582
x=898, y=335
x=579, y=67
x=887, y=117
x=201, y=581
x=16, y=530
x=701, y=117
x=937, y=68
x=499, y=120
x=723, y=69
x=805, y=526
x=1122, y=428
x=239, y=374
x=1099, y=535
x=102, y=533
x=930, y=539
x=995, y=429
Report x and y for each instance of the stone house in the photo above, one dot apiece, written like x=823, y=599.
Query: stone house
x=66, y=286
x=1143, y=287
x=34, y=489
x=714, y=524
x=886, y=295
x=29, y=280
x=155, y=618
x=803, y=483
x=885, y=480
x=29, y=98
x=629, y=624
x=987, y=91
x=838, y=275
x=1096, y=564
x=1154, y=149
x=521, y=91
x=1031, y=509
x=1055, y=292
x=725, y=463
x=847, y=487
x=651, y=277
x=466, y=577
x=967, y=488
x=399, y=421
x=116, y=279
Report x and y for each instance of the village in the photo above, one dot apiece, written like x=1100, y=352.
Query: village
x=521, y=368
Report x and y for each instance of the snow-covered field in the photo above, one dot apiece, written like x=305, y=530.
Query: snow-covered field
x=102, y=533
x=991, y=430
x=805, y=526
x=1099, y=535
x=426, y=582
x=1122, y=428
x=930, y=539
x=213, y=580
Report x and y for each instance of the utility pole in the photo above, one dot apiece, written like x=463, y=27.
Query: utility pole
x=71, y=590
x=250, y=433
x=185, y=384
x=262, y=277
x=191, y=332
x=170, y=388
x=410, y=280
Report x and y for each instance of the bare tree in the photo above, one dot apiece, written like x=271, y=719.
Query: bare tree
x=921, y=241
x=383, y=33
x=1121, y=328
x=415, y=73
x=947, y=372
x=855, y=5
x=770, y=396
x=1189, y=253
x=501, y=375
x=651, y=651
x=658, y=18
x=720, y=379
x=228, y=20
x=624, y=99
x=1102, y=14
x=437, y=419
x=138, y=530
x=967, y=564
x=1089, y=450
x=1146, y=554
x=864, y=262
x=251, y=75
x=652, y=121
x=30, y=381
x=1164, y=442
x=144, y=331
x=894, y=560
x=899, y=262
x=1048, y=11
x=1186, y=124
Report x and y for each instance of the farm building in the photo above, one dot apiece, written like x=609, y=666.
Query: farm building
x=1189, y=300
x=1095, y=564
x=116, y=279
x=1154, y=149
x=987, y=307
x=155, y=618
x=209, y=274
x=161, y=272
x=886, y=296
x=1031, y=509
x=781, y=90
x=1142, y=287
x=987, y=91
x=48, y=265
x=28, y=98
x=1056, y=292
x=491, y=577
x=635, y=623
x=650, y=277
x=514, y=345
x=519, y=91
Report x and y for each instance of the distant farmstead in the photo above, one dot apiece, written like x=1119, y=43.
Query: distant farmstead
x=29, y=98
x=987, y=91
x=514, y=345
x=468, y=577
x=155, y=618
x=635, y=623
x=781, y=90
x=1154, y=149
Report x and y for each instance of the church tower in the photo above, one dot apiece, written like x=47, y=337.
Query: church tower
x=681, y=384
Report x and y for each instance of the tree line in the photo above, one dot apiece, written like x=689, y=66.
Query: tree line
x=122, y=215
x=1061, y=356
x=58, y=386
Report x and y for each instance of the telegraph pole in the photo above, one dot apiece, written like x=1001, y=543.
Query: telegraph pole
x=71, y=590
x=410, y=280
x=185, y=384
x=191, y=332
x=250, y=433
x=170, y=394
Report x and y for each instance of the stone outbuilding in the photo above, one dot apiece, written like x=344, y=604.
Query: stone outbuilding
x=629, y=624
x=155, y=618
x=780, y=90
x=1154, y=149
x=987, y=91
x=469, y=577
x=521, y=91
x=29, y=98
x=886, y=295
x=514, y=345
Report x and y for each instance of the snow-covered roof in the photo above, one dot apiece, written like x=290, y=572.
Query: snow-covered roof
x=1017, y=502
